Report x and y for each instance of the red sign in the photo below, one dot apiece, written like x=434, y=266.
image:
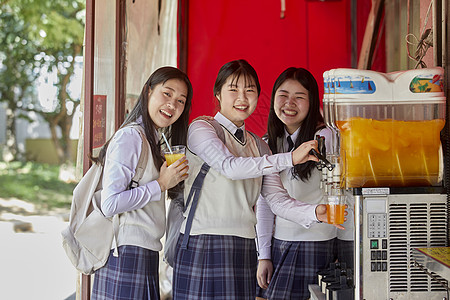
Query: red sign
x=99, y=121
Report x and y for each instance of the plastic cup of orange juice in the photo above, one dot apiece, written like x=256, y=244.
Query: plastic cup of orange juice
x=177, y=153
x=335, y=209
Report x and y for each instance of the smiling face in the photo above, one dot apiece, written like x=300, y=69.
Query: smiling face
x=238, y=99
x=166, y=102
x=291, y=104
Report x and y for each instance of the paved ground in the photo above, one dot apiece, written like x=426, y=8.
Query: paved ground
x=33, y=264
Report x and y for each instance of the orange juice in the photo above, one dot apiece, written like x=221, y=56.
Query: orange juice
x=335, y=213
x=389, y=152
x=171, y=158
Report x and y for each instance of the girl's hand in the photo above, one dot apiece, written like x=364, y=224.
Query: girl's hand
x=264, y=272
x=170, y=176
x=301, y=154
x=321, y=214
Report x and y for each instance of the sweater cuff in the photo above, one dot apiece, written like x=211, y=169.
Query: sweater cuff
x=154, y=190
x=286, y=160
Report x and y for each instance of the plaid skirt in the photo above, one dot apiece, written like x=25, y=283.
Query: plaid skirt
x=132, y=275
x=295, y=266
x=215, y=267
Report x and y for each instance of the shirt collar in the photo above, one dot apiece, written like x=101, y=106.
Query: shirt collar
x=230, y=126
x=293, y=136
x=140, y=122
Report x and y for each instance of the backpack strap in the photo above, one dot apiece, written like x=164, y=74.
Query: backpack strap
x=262, y=146
x=194, y=194
x=217, y=127
x=140, y=169
x=143, y=158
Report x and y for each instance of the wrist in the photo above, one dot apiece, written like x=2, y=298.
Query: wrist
x=161, y=186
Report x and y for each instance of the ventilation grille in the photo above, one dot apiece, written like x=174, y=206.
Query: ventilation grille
x=414, y=225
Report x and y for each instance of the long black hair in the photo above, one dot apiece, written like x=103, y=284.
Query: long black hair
x=177, y=132
x=312, y=122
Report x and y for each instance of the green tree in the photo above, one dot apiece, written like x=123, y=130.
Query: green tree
x=54, y=30
x=17, y=73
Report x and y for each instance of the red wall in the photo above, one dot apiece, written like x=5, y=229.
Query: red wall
x=314, y=35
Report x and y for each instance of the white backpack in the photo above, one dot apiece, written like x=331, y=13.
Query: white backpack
x=88, y=238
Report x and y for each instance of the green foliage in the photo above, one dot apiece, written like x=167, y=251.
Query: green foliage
x=35, y=183
x=36, y=37
x=16, y=57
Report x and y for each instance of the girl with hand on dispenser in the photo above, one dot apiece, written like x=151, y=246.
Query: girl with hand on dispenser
x=220, y=258
x=163, y=105
x=289, y=261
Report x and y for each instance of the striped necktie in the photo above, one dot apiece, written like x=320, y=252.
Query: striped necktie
x=239, y=134
x=290, y=143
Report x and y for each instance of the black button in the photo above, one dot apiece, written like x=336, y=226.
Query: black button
x=384, y=255
x=379, y=266
x=384, y=244
x=379, y=254
x=384, y=266
x=373, y=266
x=373, y=255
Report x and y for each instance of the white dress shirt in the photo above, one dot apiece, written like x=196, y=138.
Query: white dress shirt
x=204, y=142
x=266, y=218
x=120, y=165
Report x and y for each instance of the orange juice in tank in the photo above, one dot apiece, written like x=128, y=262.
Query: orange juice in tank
x=389, y=127
x=390, y=152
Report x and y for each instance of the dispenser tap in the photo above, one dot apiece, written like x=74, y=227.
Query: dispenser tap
x=319, y=155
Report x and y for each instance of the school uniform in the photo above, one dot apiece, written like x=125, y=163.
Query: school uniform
x=220, y=259
x=134, y=273
x=297, y=253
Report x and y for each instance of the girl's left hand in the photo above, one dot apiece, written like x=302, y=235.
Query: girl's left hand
x=170, y=176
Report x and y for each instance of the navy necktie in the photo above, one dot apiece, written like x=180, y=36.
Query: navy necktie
x=239, y=134
x=290, y=143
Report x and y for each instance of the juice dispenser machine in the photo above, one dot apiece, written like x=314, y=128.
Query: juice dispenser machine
x=389, y=166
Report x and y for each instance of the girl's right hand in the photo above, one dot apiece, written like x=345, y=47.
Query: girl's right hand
x=301, y=154
x=264, y=272
x=321, y=215
x=170, y=176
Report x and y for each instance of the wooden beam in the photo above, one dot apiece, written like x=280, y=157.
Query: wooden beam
x=371, y=34
x=120, y=64
x=183, y=18
x=354, y=32
x=88, y=108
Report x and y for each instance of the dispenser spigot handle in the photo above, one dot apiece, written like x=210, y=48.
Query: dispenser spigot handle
x=329, y=165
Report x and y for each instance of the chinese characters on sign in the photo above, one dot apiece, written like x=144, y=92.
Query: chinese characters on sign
x=99, y=121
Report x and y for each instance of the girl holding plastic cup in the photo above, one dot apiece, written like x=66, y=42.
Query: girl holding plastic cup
x=289, y=261
x=220, y=260
x=163, y=104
